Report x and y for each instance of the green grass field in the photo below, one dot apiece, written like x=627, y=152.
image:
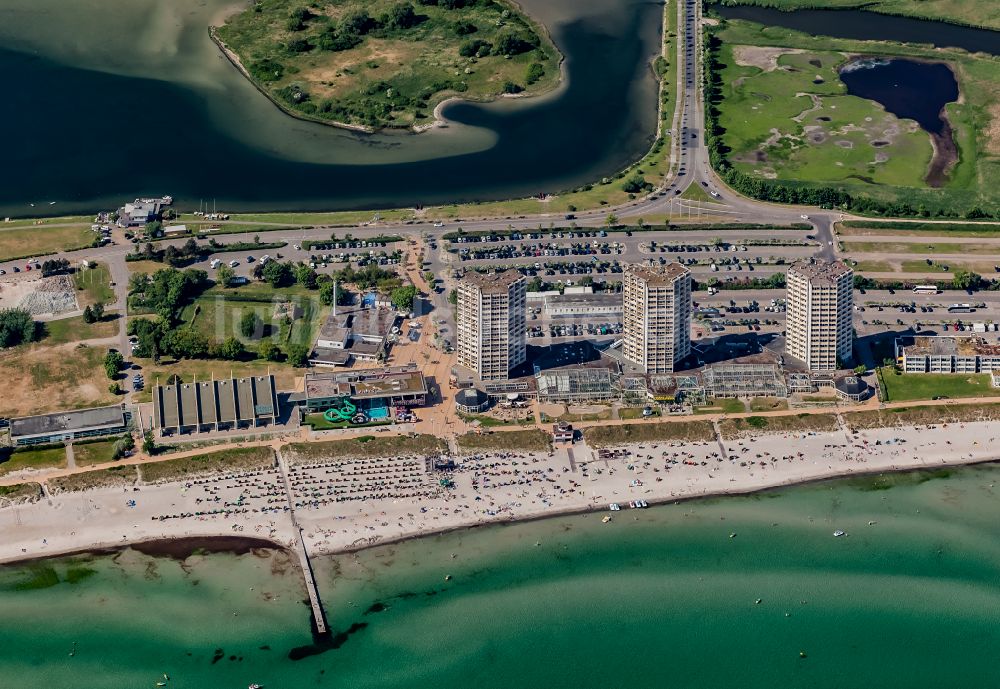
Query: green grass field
x=984, y=13
x=722, y=405
x=874, y=267
x=919, y=229
x=30, y=240
x=925, y=386
x=394, y=74
x=88, y=454
x=922, y=248
x=767, y=404
x=94, y=286
x=73, y=329
x=319, y=423
x=47, y=458
x=218, y=316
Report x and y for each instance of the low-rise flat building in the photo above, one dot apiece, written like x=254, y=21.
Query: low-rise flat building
x=947, y=354
x=591, y=306
x=394, y=387
x=215, y=405
x=69, y=425
x=562, y=432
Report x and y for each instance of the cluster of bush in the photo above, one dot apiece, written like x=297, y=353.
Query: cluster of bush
x=16, y=327
x=191, y=251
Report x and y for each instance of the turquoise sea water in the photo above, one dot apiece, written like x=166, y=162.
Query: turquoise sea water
x=666, y=597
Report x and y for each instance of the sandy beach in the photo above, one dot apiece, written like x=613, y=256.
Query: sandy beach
x=349, y=505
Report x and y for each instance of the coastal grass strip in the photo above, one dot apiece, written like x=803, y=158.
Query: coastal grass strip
x=114, y=477
x=529, y=440
x=366, y=446
x=929, y=415
x=20, y=492
x=222, y=461
x=732, y=429
x=607, y=436
x=48, y=457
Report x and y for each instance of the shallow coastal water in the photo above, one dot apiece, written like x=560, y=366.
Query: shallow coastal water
x=108, y=99
x=663, y=597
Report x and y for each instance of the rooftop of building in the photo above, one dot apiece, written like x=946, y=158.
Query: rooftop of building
x=67, y=421
x=851, y=385
x=949, y=345
x=493, y=282
x=595, y=299
x=330, y=357
x=822, y=272
x=658, y=275
x=365, y=384
x=471, y=397
x=362, y=322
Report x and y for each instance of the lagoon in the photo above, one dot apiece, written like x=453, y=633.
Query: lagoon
x=112, y=99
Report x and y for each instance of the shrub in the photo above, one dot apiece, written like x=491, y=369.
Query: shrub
x=535, y=72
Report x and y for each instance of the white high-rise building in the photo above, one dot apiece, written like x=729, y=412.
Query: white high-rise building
x=819, y=329
x=491, y=326
x=656, y=303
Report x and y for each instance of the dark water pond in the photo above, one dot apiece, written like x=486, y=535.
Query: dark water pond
x=907, y=88
x=869, y=26
x=911, y=89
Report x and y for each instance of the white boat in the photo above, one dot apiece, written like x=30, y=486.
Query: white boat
x=838, y=533
x=606, y=518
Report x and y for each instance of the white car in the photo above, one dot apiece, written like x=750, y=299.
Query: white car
x=804, y=217
x=439, y=224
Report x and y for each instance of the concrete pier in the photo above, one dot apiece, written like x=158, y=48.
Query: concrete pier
x=299, y=545
x=314, y=601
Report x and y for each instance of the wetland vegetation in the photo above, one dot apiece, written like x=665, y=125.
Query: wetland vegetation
x=783, y=125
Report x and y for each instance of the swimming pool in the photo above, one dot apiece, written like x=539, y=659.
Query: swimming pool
x=378, y=413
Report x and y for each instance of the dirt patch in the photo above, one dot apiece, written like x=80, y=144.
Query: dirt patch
x=945, y=156
x=992, y=131
x=817, y=103
x=552, y=410
x=762, y=57
x=41, y=379
x=845, y=144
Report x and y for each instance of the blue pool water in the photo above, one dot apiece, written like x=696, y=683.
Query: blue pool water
x=378, y=413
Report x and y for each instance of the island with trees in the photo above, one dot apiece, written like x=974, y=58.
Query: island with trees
x=373, y=64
